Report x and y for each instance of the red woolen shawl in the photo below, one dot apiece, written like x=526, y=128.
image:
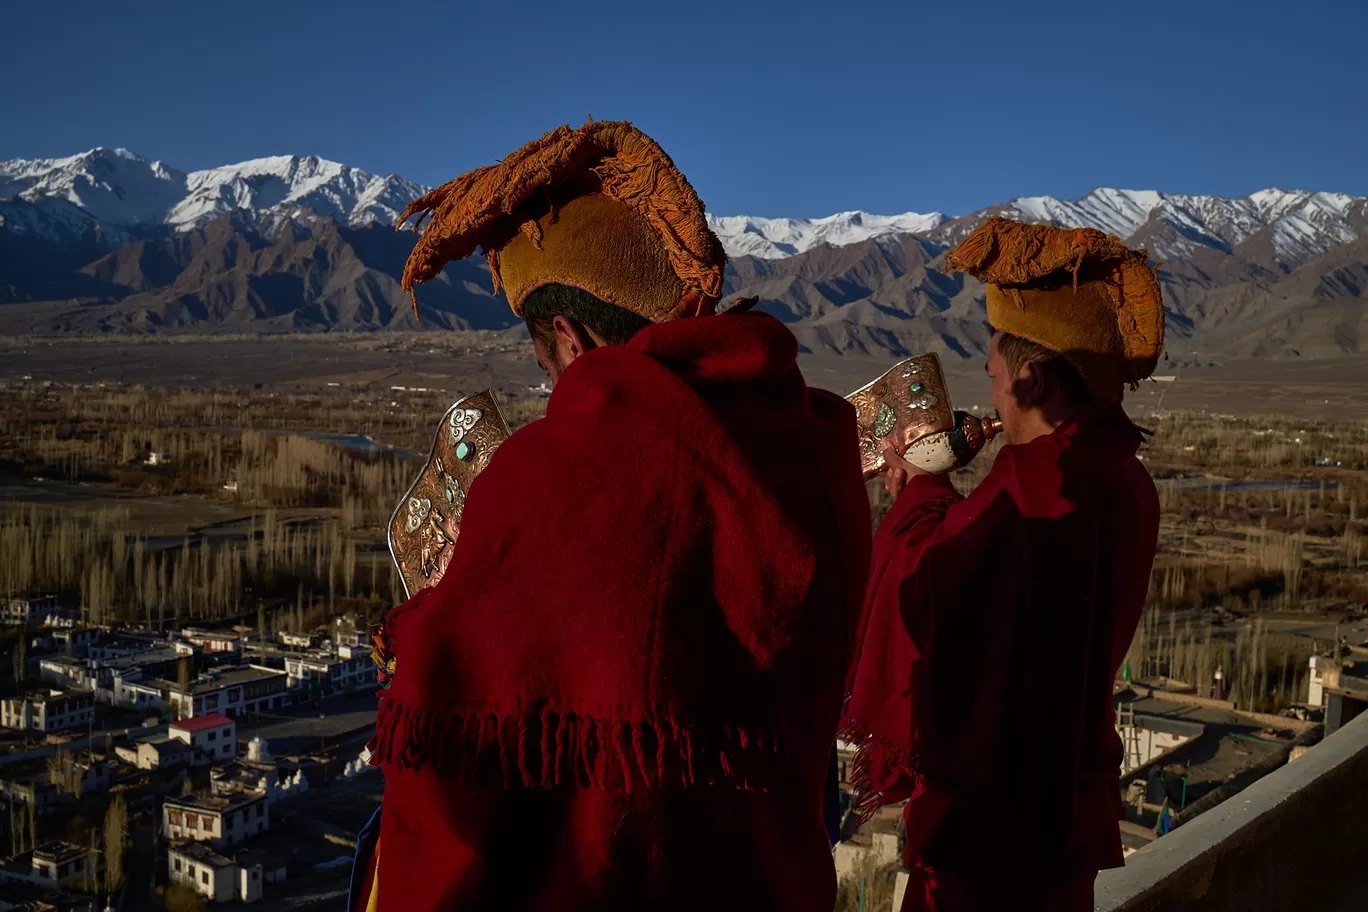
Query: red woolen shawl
x=654, y=593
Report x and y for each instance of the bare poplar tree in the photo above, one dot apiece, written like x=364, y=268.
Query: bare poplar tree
x=115, y=842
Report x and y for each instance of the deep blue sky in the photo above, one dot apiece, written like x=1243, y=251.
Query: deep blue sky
x=798, y=108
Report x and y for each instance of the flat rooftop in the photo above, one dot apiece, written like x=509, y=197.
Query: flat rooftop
x=214, y=802
x=230, y=677
x=58, y=851
x=56, y=693
x=201, y=853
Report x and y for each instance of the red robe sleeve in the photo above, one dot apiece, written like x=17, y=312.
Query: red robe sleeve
x=931, y=544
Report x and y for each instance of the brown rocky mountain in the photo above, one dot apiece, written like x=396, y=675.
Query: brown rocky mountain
x=295, y=275
x=887, y=295
x=1231, y=292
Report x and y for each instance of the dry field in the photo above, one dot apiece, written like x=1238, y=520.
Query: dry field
x=1262, y=547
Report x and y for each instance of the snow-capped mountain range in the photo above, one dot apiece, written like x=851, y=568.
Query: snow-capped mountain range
x=108, y=241
x=125, y=192
x=775, y=238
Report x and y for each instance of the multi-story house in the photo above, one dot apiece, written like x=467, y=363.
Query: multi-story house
x=322, y=673
x=216, y=877
x=61, y=865
x=213, y=735
x=232, y=691
x=220, y=820
x=48, y=710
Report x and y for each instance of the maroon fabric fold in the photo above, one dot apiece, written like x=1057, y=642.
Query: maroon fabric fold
x=639, y=645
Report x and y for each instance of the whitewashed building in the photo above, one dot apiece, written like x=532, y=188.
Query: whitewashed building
x=164, y=753
x=233, y=691
x=213, y=640
x=213, y=735
x=48, y=711
x=330, y=672
x=61, y=865
x=216, y=877
x=220, y=820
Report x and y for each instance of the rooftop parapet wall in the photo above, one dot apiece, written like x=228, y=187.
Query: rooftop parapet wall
x=1292, y=840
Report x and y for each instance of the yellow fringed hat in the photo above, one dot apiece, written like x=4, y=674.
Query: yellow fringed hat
x=1076, y=291
x=601, y=208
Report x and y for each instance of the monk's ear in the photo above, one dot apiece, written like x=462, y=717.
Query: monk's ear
x=1030, y=386
x=572, y=338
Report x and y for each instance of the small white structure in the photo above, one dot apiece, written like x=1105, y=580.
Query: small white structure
x=290, y=786
x=356, y=768
x=1315, y=688
x=61, y=865
x=215, y=877
x=164, y=753
x=213, y=735
x=258, y=751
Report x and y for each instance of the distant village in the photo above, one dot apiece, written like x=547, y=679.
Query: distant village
x=178, y=764
x=224, y=765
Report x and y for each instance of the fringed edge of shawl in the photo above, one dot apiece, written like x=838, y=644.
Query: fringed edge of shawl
x=874, y=752
x=546, y=747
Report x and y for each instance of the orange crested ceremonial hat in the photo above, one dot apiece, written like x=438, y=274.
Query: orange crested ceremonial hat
x=1076, y=291
x=601, y=208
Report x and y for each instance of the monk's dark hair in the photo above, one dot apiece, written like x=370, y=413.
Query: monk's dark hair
x=1019, y=352
x=614, y=325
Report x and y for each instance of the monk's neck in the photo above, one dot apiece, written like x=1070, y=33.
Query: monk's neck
x=1041, y=422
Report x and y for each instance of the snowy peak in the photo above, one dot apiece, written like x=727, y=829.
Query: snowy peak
x=1300, y=224
x=118, y=188
x=125, y=193
x=775, y=238
x=111, y=185
x=294, y=184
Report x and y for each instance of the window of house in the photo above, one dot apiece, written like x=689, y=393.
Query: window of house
x=176, y=863
x=175, y=817
x=204, y=877
x=192, y=821
x=213, y=736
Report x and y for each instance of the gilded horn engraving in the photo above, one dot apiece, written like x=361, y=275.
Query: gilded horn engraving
x=910, y=405
x=905, y=404
x=426, y=522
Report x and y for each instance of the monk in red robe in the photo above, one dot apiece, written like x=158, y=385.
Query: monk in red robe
x=995, y=623
x=624, y=690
